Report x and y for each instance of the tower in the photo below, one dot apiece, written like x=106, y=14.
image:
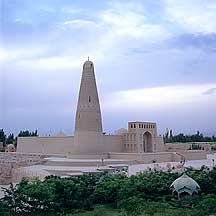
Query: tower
x=88, y=114
x=88, y=137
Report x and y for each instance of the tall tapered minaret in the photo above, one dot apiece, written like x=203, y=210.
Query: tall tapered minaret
x=88, y=114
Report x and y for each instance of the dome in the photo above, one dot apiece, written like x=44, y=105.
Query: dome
x=185, y=184
x=120, y=131
x=10, y=148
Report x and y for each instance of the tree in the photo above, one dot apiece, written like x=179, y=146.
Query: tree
x=12, y=199
x=132, y=205
x=10, y=139
x=107, y=189
x=27, y=133
x=2, y=136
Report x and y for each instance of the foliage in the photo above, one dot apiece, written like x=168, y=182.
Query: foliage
x=2, y=136
x=132, y=206
x=27, y=133
x=108, y=187
x=146, y=193
x=10, y=139
x=208, y=204
x=182, y=138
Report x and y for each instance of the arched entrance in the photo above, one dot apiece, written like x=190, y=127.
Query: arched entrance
x=147, y=142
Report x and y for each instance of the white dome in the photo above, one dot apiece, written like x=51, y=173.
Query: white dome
x=185, y=184
x=10, y=148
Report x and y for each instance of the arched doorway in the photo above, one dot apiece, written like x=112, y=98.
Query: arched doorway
x=147, y=142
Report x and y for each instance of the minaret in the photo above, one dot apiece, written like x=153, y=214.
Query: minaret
x=88, y=114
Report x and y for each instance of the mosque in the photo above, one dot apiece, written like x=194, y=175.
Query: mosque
x=89, y=137
x=139, y=141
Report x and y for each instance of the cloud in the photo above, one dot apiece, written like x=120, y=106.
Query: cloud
x=210, y=91
x=79, y=23
x=192, y=16
x=130, y=20
x=135, y=45
x=52, y=63
x=160, y=97
x=205, y=42
x=22, y=21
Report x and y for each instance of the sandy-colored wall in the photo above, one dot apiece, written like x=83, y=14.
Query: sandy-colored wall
x=144, y=157
x=160, y=156
x=186, y=146
x=45, y=145
x=86, y=142
x=159, y=144
x=113, y=143
x=90, y=142
x=191, y=155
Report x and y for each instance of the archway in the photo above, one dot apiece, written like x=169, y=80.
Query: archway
x=147, y=142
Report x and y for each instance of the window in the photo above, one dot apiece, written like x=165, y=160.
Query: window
x=134, y=125
x=131, y=126
x=89, y=99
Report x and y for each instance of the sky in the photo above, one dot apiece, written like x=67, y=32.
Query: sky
x=154, y=61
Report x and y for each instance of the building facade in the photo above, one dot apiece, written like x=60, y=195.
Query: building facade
x=140, y=137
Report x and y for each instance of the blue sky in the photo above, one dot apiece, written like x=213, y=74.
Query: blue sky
x=154, y=61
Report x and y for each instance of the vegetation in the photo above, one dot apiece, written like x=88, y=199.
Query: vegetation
x=103, y=194
x=182, y=138
x=2, y=136
x=11, y=139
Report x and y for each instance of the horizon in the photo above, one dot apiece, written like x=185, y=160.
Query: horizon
x=154, y=61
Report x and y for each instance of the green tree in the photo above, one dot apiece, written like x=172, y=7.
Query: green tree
x=107, y=189
x=10, y=139
x=27, y=133
x=2, y=136
x=132, y=205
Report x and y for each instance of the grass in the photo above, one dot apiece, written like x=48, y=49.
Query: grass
x=150, y=209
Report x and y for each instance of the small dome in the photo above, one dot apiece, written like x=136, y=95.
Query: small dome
x=120, y=131
x=185, y=184
x=10, y=148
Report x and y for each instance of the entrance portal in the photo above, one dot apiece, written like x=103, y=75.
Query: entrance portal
x=147, y=142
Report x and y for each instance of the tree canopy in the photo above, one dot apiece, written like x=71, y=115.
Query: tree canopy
x=182, y=138
x=131, y=194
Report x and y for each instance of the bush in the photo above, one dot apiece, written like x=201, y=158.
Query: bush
x=132, y=206
x=208, y=204
x=84, y=192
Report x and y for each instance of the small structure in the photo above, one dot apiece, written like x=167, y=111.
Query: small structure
x=185, y=185
x=10, y=148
